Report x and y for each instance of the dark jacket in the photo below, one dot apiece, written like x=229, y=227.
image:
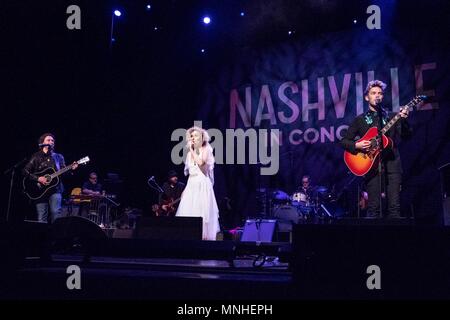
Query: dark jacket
x=171, y=193
x=41, y=161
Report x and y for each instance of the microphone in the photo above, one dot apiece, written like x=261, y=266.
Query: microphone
x=41, y=145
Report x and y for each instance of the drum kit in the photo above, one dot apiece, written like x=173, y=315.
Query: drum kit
x=300, y=206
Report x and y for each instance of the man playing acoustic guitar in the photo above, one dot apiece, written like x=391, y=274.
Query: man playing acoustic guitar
x=391, y=164
x=40, y=161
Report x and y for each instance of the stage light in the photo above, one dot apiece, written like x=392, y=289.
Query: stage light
x=289, y=32
x=242, y=13
x=117, y=13
x=206, y=20
x=203, y=50
x=355, y=21
x=148, y=7
x=155, y=28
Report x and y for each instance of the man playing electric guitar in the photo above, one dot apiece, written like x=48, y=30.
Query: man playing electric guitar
x=391, y=164
x=166, y=208
x=169, y=200
x=41, y=160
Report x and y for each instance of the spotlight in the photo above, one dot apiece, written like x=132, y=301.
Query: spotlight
x=117, y=13
x=242, y=13
x=289, y=32
x=203, y=50
x=206, y=20
x=148, y=7
x=355, y=21
x=155, y=28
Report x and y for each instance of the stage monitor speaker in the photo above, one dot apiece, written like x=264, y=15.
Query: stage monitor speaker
x=76, y=227
x=169, y=228
x=260, y=230
x=123, y=233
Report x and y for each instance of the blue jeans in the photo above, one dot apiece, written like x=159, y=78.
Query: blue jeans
x=54, y=202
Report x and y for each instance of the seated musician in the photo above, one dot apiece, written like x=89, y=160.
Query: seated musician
x=91, y=189
x=306, y=189
x=169, y=200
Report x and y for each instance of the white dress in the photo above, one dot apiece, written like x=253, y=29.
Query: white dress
x=198, y=199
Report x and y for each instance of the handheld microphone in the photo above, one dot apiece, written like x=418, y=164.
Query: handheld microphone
x=41, y=145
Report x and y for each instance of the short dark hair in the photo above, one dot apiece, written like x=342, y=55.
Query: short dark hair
x=42, y=137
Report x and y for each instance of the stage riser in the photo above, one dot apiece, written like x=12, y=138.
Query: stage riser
x=332, y=261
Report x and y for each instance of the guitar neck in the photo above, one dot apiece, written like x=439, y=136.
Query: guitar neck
x=175, y=201
x=61, y=171
x=391, y=123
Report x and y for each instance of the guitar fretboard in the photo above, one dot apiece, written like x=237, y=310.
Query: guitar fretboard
x=410, y=104
x=60, y=172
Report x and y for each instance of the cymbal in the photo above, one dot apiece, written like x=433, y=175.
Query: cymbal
x=280, y=195
x=321, y=189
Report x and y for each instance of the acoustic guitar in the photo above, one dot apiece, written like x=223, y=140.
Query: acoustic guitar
x=361, y=162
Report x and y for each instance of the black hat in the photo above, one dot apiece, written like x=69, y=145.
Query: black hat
x=171, y=174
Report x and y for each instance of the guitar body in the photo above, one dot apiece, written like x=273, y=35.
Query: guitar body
x=170, y=211
x=362, y=162
x=35, y=190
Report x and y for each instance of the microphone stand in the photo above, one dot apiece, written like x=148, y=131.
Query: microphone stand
x=380, y=159
x=12, y=170
x=266, y=209
x=156, y=186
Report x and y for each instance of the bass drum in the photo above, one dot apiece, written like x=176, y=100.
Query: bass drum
x=307, y=210
x=299, y=197
x=286, y=216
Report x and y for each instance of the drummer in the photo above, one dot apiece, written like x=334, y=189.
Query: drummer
x=306, y=190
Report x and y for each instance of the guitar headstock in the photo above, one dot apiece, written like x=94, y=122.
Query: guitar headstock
x=83, y=160
x=417, y=100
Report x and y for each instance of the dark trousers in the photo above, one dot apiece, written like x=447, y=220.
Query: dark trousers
x=391, y=185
